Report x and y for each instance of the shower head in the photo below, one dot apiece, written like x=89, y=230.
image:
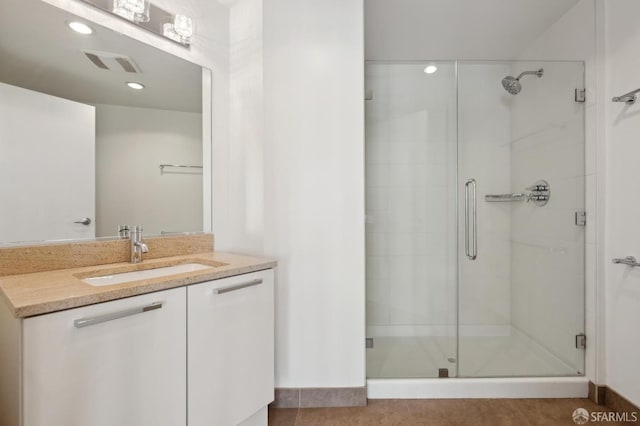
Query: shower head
x=512, y=84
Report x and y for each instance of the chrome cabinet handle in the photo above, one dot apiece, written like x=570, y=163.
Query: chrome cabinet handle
x=235, y=287
x=86, y=322
x=84, y=221
x=471, y=248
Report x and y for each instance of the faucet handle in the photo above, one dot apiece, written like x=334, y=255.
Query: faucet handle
x=538, y=188
x=138, y=228
x=124, y=231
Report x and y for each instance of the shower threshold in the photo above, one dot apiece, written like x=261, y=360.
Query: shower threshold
x=520, y=387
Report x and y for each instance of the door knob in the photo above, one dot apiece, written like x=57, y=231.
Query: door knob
x=85, y=221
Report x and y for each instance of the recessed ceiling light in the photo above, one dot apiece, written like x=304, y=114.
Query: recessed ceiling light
x=80, y=27
x=136, y=86
x=430, y=69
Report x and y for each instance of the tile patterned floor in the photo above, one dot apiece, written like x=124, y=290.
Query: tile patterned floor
x=444, y=412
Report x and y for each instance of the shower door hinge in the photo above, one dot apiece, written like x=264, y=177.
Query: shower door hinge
x=368, y=95
x=368, y=342
x=581, y=341
x=581, y=95
x=581, y=218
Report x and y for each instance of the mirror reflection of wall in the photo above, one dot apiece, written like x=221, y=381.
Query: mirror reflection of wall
x=77, y=142
x=131, y=144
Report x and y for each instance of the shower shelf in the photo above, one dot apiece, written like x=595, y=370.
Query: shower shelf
x=539, y=198
x=540, y=192
x=504, y=198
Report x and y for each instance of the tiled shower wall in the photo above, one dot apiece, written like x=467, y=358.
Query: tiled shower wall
x=547, y=142
x=484, y=155
x=410, y=199
x=422, y=144
x=529, y=273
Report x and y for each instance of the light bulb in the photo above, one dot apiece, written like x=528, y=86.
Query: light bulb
x=133, y=10
x=135, y=85
x=180, y=30
x=80, y=28
x=430, y=69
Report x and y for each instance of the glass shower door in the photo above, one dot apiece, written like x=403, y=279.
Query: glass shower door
x=411, y=239
x=521, y=252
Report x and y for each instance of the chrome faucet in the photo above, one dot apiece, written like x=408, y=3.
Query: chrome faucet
x=137, y=246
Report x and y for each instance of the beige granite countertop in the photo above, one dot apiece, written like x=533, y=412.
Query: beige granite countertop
x=45, y=292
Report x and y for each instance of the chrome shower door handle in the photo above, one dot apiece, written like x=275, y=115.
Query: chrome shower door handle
x=470, y=244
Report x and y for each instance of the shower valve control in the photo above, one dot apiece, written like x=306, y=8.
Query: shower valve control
x=540, y=193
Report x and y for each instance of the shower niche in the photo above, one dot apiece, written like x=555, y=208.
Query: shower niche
x=482, y=279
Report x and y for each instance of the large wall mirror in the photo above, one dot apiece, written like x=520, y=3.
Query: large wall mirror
x=96, y=131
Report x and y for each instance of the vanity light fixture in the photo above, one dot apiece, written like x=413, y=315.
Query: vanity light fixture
x=132, y=10
x=147, y=15
x=135, y=85
x=80, y=27
x=180, y=30
x=430, y=69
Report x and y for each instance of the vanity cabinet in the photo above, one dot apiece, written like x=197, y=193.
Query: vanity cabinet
x=230, y=349
x=201, y=355
x=114, y=363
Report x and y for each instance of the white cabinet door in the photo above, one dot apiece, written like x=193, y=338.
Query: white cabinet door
x=117, y=363
x=230, y=349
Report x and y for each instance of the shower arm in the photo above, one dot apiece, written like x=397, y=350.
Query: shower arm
x=538, y=73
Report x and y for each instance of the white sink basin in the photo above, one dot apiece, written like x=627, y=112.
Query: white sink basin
x=146, y=274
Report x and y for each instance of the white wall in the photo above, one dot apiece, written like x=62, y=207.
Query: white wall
x=314, y=188
x=131, y=143
x=623, y=204
x=238, y=167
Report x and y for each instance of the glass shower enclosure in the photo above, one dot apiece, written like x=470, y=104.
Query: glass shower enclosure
x=475, y=186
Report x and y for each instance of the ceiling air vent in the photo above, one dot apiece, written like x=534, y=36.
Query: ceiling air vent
x=112, y=61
